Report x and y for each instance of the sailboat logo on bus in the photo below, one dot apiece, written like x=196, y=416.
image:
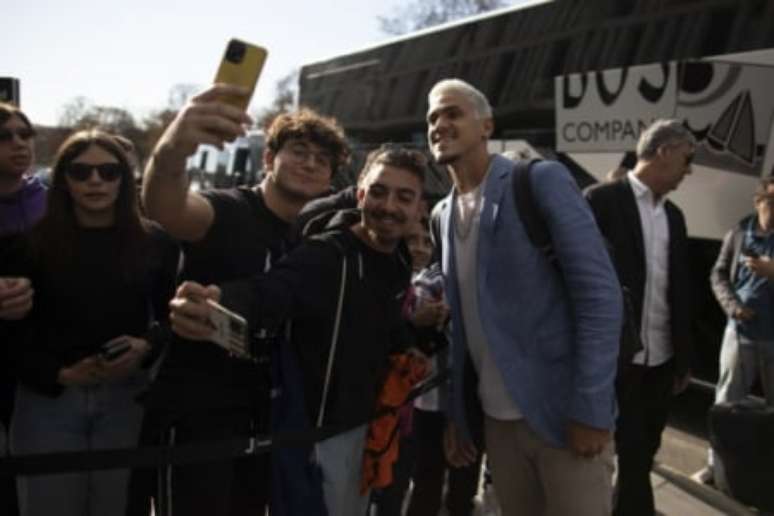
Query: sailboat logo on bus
x=734, y=130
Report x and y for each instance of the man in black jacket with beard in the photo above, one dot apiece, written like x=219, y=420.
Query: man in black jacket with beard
x=305, y=287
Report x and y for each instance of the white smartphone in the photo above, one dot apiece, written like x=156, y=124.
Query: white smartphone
x=230, y=330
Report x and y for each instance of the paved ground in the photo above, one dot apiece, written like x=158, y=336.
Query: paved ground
x=685, y=441
x=671, y=500
x=683, y=452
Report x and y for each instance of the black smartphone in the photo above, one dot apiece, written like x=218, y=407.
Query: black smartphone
x=751, y=253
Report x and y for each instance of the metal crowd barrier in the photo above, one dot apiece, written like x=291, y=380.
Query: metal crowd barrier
x=156, y=456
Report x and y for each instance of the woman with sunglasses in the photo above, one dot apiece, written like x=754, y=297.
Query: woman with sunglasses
x=102, y=277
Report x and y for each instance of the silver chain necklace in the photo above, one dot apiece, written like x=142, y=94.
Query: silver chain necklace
x=462, y=227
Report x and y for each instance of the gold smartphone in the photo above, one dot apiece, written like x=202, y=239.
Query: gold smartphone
x=241, y=65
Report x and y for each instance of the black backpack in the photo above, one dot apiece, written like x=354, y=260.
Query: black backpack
x=538, y=234
x=740, y=433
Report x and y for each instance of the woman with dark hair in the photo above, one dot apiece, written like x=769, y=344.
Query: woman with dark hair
x=22, y=196
x=22, y=203
x=102, y=277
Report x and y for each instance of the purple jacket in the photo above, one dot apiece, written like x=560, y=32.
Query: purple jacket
x=21, y=210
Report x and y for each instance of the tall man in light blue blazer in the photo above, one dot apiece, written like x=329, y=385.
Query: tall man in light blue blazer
x=542, y=335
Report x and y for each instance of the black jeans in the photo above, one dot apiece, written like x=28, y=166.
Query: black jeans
x=8, y=504
x=430, y=468
x=237, y=487
x=644, y=399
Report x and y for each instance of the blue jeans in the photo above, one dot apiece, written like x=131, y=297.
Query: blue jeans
x=80, y=419
x=740, y=364
x=341, y=461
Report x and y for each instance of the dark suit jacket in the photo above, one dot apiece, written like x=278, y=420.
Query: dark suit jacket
x=615, y=209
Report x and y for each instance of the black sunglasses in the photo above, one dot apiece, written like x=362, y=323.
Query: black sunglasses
x=24, y=134
x=107, y=171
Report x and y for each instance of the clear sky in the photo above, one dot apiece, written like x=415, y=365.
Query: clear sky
x=130, y=53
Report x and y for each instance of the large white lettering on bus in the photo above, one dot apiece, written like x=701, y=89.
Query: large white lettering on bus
x=728, y=107
x=586, y=132
x=607, y=110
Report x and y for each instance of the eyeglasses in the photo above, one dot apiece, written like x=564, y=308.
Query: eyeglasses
x=301, y=153
x=107, y=172
x=24, y=134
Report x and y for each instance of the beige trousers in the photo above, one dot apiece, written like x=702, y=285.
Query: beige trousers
x=533, y=478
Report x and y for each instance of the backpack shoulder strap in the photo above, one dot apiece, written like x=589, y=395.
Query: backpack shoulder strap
x=524, y=200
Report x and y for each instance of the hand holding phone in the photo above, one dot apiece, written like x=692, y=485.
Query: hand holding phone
x=230, y=330
x=241, y=66
x=204, y=120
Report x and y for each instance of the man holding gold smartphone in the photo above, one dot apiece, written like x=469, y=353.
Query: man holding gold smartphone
x=202, y=393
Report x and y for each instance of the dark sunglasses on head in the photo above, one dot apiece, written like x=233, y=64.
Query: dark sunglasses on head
x=24, y=134
x=106, y=171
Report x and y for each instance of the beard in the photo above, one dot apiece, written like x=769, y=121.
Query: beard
x=445, y=158
x=372, y=220
x=448, y=150
x=379, y=215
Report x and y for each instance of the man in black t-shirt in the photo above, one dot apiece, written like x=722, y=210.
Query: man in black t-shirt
x=306, y=286
x=201, y=393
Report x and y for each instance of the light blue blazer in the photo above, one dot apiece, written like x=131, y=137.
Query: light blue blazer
x=553, y=332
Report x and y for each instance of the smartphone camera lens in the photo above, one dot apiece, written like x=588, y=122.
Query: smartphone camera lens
x=235, y=51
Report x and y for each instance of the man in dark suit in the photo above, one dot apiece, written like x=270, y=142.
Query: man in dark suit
x=648, y=237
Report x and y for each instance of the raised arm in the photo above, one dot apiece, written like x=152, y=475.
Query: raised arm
x=185, y=214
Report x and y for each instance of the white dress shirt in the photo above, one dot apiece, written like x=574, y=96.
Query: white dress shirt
x=655, y=331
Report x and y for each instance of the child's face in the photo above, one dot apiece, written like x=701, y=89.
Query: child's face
x=419, y=245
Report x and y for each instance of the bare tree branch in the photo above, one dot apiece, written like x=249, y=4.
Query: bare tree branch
x=421, y=14
x=286, y=95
